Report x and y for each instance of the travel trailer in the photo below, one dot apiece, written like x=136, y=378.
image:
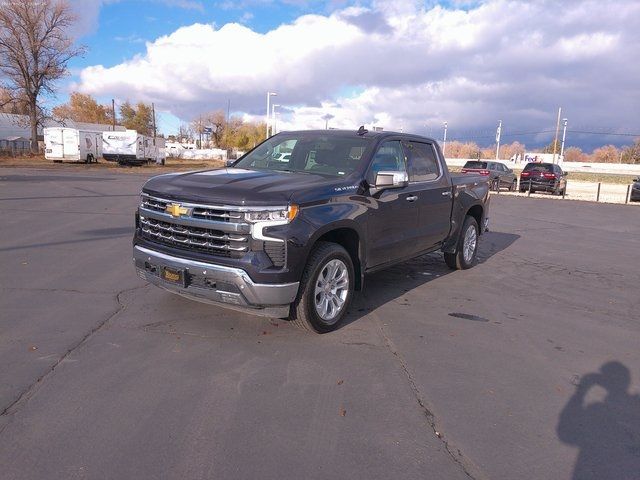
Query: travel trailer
x=132, y=148
x=71, y=144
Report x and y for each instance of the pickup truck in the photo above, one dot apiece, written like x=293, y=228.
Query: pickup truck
x=293, y=236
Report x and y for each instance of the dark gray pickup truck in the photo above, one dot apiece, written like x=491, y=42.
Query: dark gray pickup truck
x=291, y=228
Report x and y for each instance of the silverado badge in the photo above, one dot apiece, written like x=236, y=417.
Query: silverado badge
x=175, y=209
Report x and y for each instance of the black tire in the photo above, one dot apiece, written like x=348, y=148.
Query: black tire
x=457, y=261
x=523, y=190
x=304, y=313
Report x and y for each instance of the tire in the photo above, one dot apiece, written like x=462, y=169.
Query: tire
x=88, y=159
x=313, y=310
x=523, y=190
x=458, y=260
x=513, y=186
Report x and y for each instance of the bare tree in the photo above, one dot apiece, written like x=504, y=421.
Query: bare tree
x=34, y=50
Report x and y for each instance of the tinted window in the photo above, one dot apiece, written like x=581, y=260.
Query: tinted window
x=538, y=167
x=481, y=165
x=421, y=161
x=388, y=158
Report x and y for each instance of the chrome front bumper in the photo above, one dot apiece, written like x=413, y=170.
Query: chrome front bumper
x=225, y=286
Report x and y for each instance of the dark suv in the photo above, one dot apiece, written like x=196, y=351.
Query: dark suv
x=543, y=177
x=499, y=174
x=635, y=190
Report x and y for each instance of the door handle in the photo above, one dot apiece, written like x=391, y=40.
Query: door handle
x=446, y=194
x=412, y=198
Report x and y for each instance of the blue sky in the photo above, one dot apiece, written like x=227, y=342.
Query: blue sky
x=393, y=63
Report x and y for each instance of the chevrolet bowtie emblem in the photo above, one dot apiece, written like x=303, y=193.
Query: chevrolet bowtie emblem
x=175, y=209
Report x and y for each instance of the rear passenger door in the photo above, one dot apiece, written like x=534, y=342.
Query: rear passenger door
x=432, y=187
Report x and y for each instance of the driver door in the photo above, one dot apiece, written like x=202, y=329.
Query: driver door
x=393, y=213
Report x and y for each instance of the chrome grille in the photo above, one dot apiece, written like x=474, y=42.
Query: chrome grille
x=204, y=212
x=202, y=239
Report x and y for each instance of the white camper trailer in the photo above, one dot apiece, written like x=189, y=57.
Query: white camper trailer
x=63, y=143
x=130, y=147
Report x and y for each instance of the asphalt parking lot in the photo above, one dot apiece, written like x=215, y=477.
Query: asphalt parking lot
x=514, y=369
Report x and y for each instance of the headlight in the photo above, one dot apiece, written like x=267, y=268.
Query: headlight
x=280, y=216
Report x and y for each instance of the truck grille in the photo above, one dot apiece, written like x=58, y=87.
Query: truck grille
x=207, y=235
x=204, y=212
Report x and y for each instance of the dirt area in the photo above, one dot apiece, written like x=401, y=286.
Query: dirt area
x=171, y=164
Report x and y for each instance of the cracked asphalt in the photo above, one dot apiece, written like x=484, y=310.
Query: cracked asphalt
x=526, y=366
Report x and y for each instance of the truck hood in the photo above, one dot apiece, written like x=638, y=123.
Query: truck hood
x=237, y=186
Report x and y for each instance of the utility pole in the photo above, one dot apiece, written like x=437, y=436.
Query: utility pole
x=564, y=133
x=444, y=144
x=498, y=132
x=269, y=95
x=113, y=114
x=153, y=114
x=555, y=141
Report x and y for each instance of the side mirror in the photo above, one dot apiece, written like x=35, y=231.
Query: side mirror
x=636, y=179
x=229, y=162
x=391, y=179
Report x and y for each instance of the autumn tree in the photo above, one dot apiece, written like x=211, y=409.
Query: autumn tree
x=83, y=108
x=138, y=117
x=575, y=154
x=508, y=150
x=12, y=104
x=631, y=154
x=34, y=50
x=606, y=154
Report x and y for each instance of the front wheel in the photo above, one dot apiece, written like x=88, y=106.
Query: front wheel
x=467, y=248
x=325, y=290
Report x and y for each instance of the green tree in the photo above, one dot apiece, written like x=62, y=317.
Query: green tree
x=139, y=118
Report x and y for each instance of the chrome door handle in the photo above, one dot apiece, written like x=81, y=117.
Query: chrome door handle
x=446, y=194
x=411, y=198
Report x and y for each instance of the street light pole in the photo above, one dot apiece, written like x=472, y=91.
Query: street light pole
x=564, y=133
x=555, y=140
x=269, y=95
x=444, y=143
x=498, y=132
x=273, y=118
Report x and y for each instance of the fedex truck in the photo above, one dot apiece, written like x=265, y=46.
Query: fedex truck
x=63, y=143
x=131, y=147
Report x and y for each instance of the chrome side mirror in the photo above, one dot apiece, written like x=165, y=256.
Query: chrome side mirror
x=391, y=179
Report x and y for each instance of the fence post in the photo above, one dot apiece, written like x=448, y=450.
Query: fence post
x=564, y=191
x=529, y=194
x=598, y=194
x=626, y=198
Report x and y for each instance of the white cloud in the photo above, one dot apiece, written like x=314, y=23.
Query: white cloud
x=402, y=64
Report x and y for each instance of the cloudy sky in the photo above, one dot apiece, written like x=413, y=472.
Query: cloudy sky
x=399, y=64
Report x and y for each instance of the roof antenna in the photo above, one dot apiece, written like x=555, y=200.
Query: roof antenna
x=362, y=130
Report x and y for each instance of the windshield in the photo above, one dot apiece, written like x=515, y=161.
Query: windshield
x=331, y=154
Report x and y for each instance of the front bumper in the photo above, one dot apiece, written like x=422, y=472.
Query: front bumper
x=220, y=285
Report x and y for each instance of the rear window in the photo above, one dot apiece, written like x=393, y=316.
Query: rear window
x=482, y=165
x=538, y=167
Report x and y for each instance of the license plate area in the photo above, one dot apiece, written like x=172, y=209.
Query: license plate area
x=174, y=276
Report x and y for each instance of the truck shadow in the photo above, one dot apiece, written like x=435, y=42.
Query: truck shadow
x=392, y=283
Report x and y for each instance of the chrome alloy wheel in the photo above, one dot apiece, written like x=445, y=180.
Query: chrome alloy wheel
x=332, y=288
x=469, y=244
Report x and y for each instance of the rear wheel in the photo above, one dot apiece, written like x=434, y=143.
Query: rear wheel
x=467, y=248
x=325, y=290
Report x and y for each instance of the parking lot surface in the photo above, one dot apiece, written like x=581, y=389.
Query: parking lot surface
x=526, y=366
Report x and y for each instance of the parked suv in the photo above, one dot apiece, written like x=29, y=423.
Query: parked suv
x=635, y=190
x=543, y=177
x=295, y=239
x=499, y=174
